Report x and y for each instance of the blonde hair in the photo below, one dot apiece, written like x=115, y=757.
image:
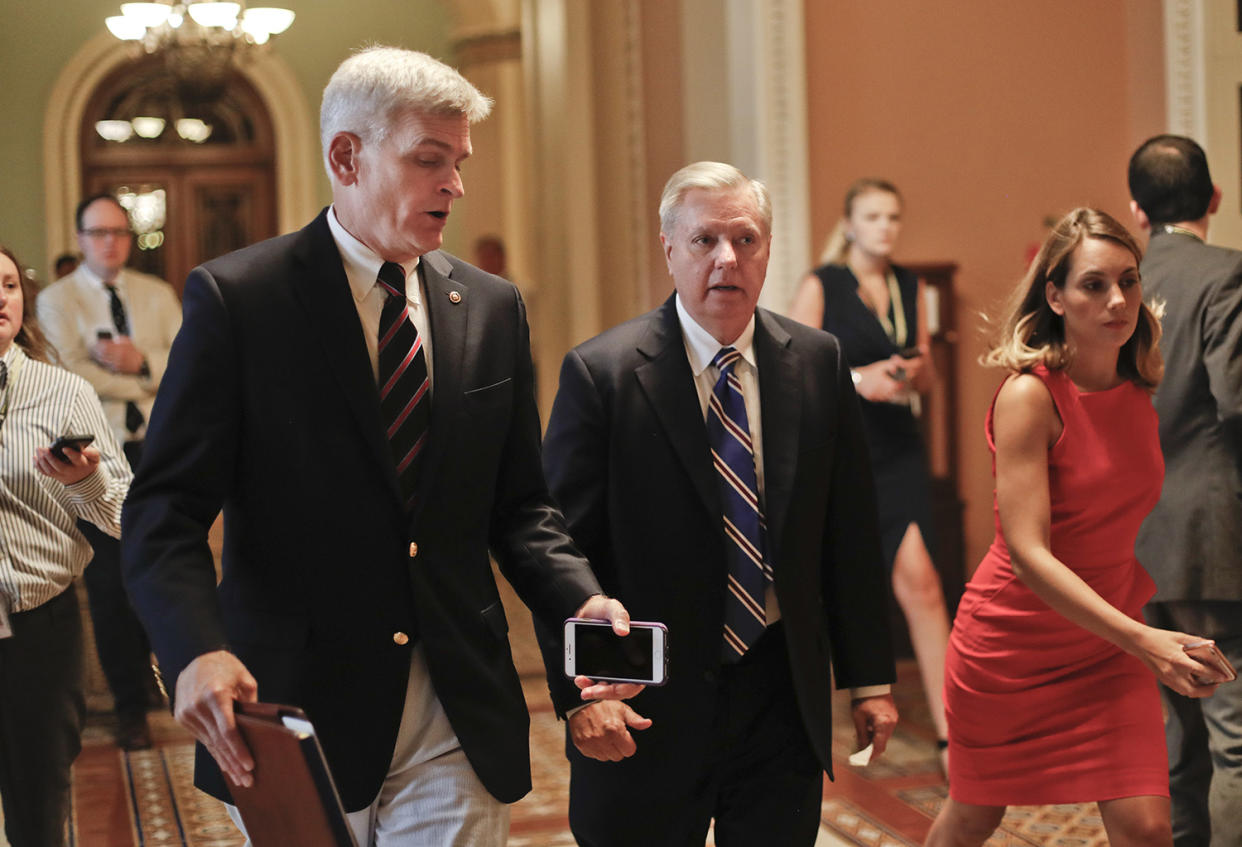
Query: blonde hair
x=1032, y=334
x=837, y=247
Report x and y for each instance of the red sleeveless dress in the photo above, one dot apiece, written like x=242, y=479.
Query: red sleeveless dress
x=1040, y=710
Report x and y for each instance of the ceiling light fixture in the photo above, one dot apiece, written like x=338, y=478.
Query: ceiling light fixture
x=199, y=39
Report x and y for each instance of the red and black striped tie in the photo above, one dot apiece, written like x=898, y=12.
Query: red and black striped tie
x=403, y=384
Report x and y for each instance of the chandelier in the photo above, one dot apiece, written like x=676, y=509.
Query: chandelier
x=200, y=40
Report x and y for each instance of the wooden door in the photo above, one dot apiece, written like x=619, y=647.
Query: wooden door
x=207, y=212
x=189, y=200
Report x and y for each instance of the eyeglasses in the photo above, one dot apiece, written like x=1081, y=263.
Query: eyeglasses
x=103, y=232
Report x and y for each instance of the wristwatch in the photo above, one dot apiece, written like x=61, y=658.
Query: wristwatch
x=856, y=376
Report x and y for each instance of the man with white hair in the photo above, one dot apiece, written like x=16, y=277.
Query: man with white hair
x=709, y=457
x=360, y=405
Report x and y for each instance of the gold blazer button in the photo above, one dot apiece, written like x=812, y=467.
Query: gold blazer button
x=413, y=549
x=400, y=639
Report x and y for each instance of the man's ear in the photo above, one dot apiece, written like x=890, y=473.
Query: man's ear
x=1140, y=217
x=1053, y=295
x=1214, y=205
x=668, y=252
x=343, y=152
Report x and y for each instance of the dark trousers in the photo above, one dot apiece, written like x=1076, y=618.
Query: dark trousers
x=41, y=718
x=120, y=640
x=1205, y=735
x=761, y=783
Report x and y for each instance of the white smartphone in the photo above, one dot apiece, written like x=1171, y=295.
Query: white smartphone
x=592, y=649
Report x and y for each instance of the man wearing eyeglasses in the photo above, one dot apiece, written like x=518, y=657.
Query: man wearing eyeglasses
x=114, y=326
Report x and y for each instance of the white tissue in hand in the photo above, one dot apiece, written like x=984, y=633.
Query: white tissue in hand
x=863, y=757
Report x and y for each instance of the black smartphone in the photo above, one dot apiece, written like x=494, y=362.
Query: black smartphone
x=909, y=352
x=77, y=442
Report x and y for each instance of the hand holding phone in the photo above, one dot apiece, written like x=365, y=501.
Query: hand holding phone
x=593, y=650
x=77, y=442
x=1207, y=653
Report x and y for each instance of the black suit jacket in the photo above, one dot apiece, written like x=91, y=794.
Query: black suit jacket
x=269, y=409
x=626, y=456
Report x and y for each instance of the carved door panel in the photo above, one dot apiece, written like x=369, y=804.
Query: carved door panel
x=184, y=216
x=196, y=174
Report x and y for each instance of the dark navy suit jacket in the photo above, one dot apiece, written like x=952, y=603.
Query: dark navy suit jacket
x=269, y=410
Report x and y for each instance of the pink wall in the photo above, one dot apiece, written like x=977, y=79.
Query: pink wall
x=988, y=116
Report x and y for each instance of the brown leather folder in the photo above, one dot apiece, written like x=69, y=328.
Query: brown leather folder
x=293, y=799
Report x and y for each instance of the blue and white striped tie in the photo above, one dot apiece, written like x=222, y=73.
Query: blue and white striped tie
x=733, y=454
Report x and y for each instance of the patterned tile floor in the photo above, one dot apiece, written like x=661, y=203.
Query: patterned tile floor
x=147, y=798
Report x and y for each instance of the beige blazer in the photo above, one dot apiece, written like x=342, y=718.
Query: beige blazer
x=72, y=310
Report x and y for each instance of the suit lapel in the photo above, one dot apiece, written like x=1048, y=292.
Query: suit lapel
x=332, y=318
x=448, y=318
x=780, y=401
x=668, y=383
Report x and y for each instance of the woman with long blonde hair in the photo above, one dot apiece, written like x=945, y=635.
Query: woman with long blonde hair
x=872, y=305
x=1049, y=687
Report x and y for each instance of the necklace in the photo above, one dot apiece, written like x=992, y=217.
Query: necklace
x=1173, y=229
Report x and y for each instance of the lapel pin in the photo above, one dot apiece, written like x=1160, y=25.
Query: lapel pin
x=454, y=297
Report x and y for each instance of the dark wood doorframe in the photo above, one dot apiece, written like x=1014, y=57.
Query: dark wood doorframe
x=235, y=169
x=191, y=217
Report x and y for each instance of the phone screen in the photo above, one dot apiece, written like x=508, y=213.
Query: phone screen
x=601, y=653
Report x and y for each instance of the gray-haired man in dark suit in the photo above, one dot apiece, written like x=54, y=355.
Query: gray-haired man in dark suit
x=1192, y=541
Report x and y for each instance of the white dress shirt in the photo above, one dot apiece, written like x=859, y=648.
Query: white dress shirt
x=75, y=309
x=362, y=266
x=701, y=348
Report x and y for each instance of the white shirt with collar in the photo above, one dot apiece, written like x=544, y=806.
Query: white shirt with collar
x=97, y=307
x=701, y=348
x=362, y=266
x=75, y=309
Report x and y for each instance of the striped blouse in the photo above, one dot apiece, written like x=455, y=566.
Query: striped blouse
x=41, y=549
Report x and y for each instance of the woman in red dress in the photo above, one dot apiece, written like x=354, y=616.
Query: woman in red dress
x=1050, y=678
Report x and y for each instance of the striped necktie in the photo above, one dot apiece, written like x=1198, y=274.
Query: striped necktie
x=403, y=383
x=733, y=454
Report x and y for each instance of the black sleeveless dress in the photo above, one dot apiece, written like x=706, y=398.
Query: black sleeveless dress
x=903, y=491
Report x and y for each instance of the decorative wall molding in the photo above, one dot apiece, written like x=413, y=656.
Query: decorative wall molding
x=641, y=229
x=1203, y=65
x=297, y=144
x=782, y=129
x=1184, y=67
x=763, y=126
x=484, y=48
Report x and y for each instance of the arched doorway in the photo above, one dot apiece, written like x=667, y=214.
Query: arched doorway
x=195, y=169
